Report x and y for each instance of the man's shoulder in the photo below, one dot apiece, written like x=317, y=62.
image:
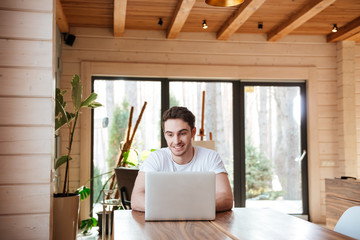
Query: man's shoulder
x=164, y=150
x=204, y=150
x=160, y=153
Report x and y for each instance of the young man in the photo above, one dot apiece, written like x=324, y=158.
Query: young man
x=180, y=155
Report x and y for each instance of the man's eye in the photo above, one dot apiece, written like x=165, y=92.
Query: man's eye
x=169, y=134
x=183, y=133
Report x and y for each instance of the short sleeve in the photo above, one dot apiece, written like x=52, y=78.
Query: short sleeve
x=218, y=164
x=150, y=164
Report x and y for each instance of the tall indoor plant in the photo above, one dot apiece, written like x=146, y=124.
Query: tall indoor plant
x=66, y=204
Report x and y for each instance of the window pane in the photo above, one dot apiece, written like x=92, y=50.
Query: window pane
x=218, y=113
x=111, y=120
x=273, y=148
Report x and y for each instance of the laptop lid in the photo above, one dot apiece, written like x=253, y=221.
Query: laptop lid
x=179, y=196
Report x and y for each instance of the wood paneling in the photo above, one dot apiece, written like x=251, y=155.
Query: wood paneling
x=12, y=199
x=26, y=25
x=25, y=82
x=26, y=140
x=21, y=53
x=24, y=169
x=26, y=120
x=19, y=227
x=21, y=5
x=28, y=111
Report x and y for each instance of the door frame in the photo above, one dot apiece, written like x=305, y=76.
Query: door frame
x=240, y=117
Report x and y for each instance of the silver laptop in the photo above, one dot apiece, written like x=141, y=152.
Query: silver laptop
x=179, y=196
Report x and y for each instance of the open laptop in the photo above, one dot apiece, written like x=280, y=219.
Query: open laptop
x=179, y=196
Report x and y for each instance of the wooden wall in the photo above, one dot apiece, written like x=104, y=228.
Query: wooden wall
x=26, y=119
x=142, y=53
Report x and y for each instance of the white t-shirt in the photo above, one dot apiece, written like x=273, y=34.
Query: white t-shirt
x=204, y=160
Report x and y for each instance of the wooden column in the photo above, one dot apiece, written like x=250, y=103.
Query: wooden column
x=347, y=108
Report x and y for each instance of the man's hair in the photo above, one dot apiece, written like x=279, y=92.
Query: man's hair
x=179, y=112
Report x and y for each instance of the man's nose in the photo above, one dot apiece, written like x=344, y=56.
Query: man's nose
x=177, y=139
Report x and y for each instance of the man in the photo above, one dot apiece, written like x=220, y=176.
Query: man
x=180, y=155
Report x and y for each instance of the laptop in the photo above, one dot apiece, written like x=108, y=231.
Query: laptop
x=177, y=196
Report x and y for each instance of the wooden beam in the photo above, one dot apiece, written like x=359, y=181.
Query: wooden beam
x=246, y=9
x=119, y=17
x=311, y=9
x=181, y=14
x=351, y=31
x=61, y=21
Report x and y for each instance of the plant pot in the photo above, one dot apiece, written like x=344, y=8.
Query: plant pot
x=107, y=215
x=65, y=216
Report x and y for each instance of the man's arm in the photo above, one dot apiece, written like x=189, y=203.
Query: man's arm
x=138, y=193
x=224, y=196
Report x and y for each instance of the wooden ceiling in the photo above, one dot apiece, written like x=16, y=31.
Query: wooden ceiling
x=279, y=17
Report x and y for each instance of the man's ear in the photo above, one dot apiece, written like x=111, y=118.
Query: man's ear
x=193, y=132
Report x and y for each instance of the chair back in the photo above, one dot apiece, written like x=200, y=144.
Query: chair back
x=349, y=223
x=125, y=178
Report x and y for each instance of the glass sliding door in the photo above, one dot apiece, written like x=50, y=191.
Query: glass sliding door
x=218, y=111
x=110, y=122
x=275, y=147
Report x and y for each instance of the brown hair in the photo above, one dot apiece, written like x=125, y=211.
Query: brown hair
x=179, y=112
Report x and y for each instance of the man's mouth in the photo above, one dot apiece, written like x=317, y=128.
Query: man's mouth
x=178, y=147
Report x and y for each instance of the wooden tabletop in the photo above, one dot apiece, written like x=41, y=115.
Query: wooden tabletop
x=240, y=223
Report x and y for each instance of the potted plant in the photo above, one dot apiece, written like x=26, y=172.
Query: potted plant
x=66, y=204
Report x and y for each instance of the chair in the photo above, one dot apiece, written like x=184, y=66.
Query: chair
x=349, y=223
x=125, y=178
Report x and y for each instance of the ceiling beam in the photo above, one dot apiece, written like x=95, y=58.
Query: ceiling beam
x=246, y=9
x=181, y=14
x=61, y=21
x=310, y=9
x=348, y=32
x=119, y=17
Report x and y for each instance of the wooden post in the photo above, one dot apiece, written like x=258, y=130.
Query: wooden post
x=202, y=131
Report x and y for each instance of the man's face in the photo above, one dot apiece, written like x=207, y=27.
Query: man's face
x=178, y=136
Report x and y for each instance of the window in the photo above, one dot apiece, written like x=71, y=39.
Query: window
x=275, y=146
x=241, y=116
x=110, y=124
x=217, y=113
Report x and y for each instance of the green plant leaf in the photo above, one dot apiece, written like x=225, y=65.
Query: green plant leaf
x=90, y=99
x=87, y=224
x=60, y=161
x=130, y=163
x=126, y=155
x=61, y=117
x=76, y=90
x=84, y=192
x=95, y=105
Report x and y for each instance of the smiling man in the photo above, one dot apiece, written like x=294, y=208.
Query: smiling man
x=181, y=155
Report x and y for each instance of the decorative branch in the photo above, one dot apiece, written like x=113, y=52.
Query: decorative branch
x=127, y=145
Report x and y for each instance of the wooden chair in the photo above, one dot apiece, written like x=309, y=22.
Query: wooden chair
x=125, y=178
x=349, y=223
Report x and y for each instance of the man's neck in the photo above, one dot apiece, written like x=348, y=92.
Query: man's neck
x=181, y=160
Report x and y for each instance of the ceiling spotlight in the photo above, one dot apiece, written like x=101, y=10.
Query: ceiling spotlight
x=260, y=25
x=223, y=3
x=204, y=24
x=160, y=22
x=335, y=28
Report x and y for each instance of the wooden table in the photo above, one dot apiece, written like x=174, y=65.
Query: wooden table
x=240, y=223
